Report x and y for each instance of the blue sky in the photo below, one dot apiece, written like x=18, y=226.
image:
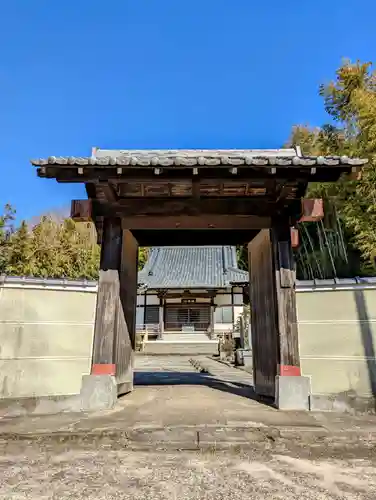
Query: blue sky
x=161, y=74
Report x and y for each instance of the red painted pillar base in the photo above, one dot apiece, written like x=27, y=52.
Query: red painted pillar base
x=103, y=369
x=289, y=371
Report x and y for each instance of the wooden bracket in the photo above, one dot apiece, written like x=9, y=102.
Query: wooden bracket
x=356, y=174
x=294, y=237
x=82, y=210
x=313, y=210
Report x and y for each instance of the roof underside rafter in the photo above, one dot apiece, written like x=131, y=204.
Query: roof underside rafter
x=224, y=190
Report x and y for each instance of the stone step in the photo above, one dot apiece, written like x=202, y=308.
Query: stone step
x=181, y=348
x=184, y=337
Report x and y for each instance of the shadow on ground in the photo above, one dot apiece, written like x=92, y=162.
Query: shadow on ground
x=173, y=378
x=367, y=338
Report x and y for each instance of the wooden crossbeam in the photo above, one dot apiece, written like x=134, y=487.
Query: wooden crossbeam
x=254, y=210
x=82, y=210
x=211, y=222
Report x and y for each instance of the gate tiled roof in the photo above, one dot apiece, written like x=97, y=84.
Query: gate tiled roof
x=193, y=157
x=191, y=267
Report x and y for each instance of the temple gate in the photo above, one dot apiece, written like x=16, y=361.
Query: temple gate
x=200, y=197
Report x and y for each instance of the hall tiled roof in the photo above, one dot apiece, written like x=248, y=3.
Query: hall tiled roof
x=191, y=267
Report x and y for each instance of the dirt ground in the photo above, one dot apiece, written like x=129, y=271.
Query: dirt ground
x=107, y=474
x=170, y=394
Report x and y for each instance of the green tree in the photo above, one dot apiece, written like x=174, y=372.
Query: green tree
x=351, y=100
x=350, y=207
x=242, y=256
x=6, y=229
x=51, y=248
x=19, y=259
x=64, y=250
x=143, y=253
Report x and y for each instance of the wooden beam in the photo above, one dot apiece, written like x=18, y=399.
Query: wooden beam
x=199, y=295
x=193, y=206
x=233, y=222
x=312, y=209
x=66, y=173
x=186, y=237
x=108, y=191
x=85, y=209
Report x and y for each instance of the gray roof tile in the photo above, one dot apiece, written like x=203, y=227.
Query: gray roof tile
x=191, y=267
x=202, y=157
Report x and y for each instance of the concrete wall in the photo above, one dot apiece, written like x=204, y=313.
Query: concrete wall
x=46, y=334
x=337, y=336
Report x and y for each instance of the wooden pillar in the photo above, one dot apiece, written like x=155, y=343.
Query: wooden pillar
x=115, y=321
x=285, y=277
x=273, y=307
x=242, y=334
x=263, y=314
x=103, y=362
x=212, y=320
x=161, y=317
x=126, y=325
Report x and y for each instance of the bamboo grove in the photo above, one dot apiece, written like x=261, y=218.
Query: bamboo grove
x=342, y=245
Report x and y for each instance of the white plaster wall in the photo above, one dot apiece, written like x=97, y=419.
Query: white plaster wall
x=140, y=299
x=238, y=299
x=223, y=299
x=238, y=310
x=152, y=299
x=140, y=315
x=337, y=337
x=46, y=340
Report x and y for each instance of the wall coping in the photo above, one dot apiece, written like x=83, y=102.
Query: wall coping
x=48, y=284
x=336, y=284
x=92, y=286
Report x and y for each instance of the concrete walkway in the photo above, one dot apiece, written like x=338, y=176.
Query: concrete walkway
x=223, y=371
x=174, y=405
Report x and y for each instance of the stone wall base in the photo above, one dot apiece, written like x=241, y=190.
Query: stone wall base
x=293, y=393
x=343, y=403
x=98, y=392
